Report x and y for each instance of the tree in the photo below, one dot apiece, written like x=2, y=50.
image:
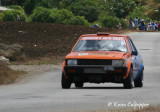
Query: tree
x=119, y=8
x=17, y=2
x=12, y=2
x=64, y=4
x=154, y=9
x=86, y=8
x=30, y=5
x=141, y=2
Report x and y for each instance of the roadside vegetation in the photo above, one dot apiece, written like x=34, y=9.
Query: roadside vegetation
x=106, y=13
x=7, y=75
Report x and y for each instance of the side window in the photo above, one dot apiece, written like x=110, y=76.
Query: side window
x=133, y=46
x=129, y=44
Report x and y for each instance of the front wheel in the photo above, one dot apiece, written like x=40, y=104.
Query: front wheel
x=128, y=82
x=139, y=81
x=65, y=83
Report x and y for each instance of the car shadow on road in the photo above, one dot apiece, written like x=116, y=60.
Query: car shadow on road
x=99, y=88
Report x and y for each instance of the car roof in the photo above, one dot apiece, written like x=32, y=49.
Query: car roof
x=108, y=34
x=102, y=35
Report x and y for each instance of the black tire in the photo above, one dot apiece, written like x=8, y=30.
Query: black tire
x=65, y=83
x=79, y=84
x=139, y=81
x=128, y=82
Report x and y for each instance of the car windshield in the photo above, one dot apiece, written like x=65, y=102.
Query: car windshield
x=101, y=45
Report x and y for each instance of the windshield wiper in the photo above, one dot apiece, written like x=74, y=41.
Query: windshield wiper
x=86, y=50
x=116, y=50
x=91, y=50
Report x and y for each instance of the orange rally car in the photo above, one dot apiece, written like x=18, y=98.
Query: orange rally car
x=103, y=57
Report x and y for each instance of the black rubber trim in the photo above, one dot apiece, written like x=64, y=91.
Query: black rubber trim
x=79, y=70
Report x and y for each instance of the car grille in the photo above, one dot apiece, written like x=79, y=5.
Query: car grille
x=94, y=62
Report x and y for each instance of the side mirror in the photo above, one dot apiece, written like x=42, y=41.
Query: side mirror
x=134, y=53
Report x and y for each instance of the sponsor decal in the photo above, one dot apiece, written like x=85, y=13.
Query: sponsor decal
x=83, y=54
x=92, y=38
x=102, y=38
x=97, y=54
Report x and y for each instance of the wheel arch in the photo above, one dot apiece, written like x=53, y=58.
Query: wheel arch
x=63, y=71
x=130, y=66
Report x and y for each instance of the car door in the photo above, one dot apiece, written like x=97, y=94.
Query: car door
x=135, y=58
x=139, y=62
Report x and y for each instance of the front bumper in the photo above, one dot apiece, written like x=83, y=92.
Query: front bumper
x=100, y=73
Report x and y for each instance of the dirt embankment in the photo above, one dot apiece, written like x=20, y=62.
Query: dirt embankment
x=44, y=39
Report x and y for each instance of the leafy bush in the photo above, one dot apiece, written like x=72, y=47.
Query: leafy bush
x=148, y=20
x=41, y=14
x=110, y=21
x=122, y=21
x=85, y=8
x=11, y=15
x=54, y=16
x=63, y=16
x=17, y=7
x=77, y=20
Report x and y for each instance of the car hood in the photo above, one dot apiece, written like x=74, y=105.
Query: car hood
x=96, y=55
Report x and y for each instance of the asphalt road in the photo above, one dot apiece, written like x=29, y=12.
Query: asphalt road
x=43, y=93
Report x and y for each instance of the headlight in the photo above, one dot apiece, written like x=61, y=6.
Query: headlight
x=71, y=62
x=118, y=62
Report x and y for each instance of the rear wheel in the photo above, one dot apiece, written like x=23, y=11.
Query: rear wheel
x=65, y=83
x=79, y=84
x=139, y=81
x=128, y=82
